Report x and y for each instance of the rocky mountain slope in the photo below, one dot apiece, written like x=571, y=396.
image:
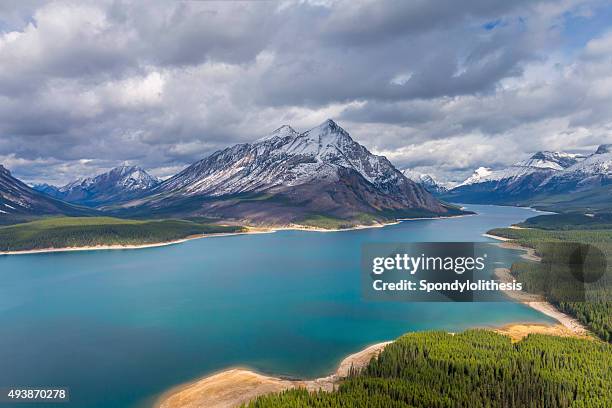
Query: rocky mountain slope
x=514, y=183
x=119, y=184
x=290, y=177
x=427, y=181
x=548, y=180
x=594, y=171
x=18, y=200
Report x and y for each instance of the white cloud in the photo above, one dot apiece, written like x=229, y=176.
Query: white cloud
x=88, y=85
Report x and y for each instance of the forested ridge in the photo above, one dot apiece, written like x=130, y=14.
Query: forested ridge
x=476, y=368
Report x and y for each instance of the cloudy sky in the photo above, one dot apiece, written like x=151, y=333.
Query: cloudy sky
x=441, y=86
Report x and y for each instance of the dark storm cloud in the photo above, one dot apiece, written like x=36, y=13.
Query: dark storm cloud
x=454, y=61
x=371, y=22
x=85, y=86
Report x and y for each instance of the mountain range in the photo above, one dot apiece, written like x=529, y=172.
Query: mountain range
x=286, y=177
x=18, y=200
x=426, y=180
x=119, y=184
x=551, y=180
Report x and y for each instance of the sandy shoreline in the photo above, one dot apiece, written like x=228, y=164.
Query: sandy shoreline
x=519, y=331
x=529, y=253
x=233, y=387
x=250, y=230
x=538, y=303
x=137, y=246
x=534, y=301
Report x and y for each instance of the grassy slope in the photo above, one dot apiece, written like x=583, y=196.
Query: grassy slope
x=329, y=222
x=476, y=368
x=255, y=204
x=62, y=232
x=568, y=228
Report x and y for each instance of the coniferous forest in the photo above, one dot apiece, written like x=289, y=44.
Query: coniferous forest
x=70, y=232
x=545, y=232
x=477, y=368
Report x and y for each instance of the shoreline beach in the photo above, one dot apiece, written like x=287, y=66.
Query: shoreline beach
x=135, y=246
x=235, y=386
x=534, y=301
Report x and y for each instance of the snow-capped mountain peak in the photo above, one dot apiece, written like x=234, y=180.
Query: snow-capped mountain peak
x=287, y=158
x=117, y=184
x=284, y=160
x=594, y=170
x=281, y=132
x=319, y=142
x=329, y=134
x=132, y=178
x=480, y=174
x=550, y=160
x=426, y=180
x=543, y=162
x=544, y=172
x=126, y=177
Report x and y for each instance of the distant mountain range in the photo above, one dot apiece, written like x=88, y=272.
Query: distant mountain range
x=427, y=181
x=552, y=180
x=594, y=171
x=119, y=184
x=18, y=200
x=284, y=178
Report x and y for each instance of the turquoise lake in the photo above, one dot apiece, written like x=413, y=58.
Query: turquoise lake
x=119, y=327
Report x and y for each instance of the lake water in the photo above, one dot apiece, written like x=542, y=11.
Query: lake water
x=118, y=327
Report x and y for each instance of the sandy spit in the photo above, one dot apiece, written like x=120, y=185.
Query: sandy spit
x=236, y=386
x=529, y=253
x=538, y=303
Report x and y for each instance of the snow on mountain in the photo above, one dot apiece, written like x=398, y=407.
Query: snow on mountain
x=120, y=183
x=551, y=160
x=19, y=199
x=128, y=178
x=283, y=131
x=480, y=175
x=322, y=170
x=512, y=184
x=427, y=181
x=594, y=170
x=284, y=158
x=599, y=163
x=544, y=161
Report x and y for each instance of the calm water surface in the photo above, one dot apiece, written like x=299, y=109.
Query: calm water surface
x=118, y=327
